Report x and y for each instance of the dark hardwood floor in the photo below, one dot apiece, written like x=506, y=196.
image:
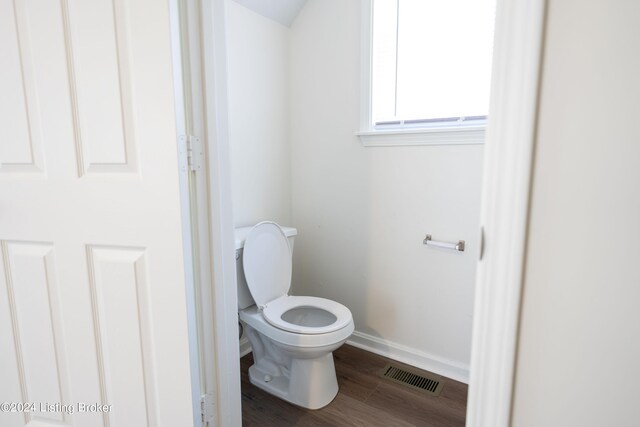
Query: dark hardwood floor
x=364, y=399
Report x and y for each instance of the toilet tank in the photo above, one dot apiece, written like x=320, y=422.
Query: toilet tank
x=244, y=295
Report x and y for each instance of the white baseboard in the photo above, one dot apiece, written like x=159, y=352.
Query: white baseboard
x=410, y=356
x=245, y=347
x=401, y=353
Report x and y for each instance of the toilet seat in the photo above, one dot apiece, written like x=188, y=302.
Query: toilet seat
x=266, y=259
x=273, y=313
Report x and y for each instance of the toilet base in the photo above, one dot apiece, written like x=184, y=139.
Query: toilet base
x=310, y=383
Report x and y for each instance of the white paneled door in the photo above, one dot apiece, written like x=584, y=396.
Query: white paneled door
x=92, y=288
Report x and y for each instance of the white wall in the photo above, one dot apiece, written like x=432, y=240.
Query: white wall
x=259, y=117
x=362, y=212
x=578, y=359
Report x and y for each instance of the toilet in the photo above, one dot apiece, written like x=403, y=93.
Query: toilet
x=292, y=337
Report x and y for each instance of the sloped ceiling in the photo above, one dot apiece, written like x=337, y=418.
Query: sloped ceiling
x=282, y=11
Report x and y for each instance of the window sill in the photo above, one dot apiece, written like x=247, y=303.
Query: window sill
x=466, y=135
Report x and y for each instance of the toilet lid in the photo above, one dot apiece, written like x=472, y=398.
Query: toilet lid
x=267, y=262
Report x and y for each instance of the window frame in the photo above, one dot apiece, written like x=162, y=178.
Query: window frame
x=370, y=135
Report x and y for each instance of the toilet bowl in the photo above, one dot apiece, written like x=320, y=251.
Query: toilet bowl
x=292, y=337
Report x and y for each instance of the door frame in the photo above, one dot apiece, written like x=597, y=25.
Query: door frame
x=508, y=163
x=199, y=60
x=221, y=232
x=204, y=71
x=182, y=107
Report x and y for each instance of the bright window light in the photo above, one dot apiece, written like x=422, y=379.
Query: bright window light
x=431, y=61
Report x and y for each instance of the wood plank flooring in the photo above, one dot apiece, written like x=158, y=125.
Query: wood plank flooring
x=364, y=399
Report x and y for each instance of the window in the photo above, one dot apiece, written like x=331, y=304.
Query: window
x=427, y=68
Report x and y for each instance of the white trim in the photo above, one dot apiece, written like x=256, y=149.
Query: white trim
x=220, y=233
x=191, y=21
x=410, y=356
x=182, y=105
x=461, y=135
x=245, y=346
x=505, y=205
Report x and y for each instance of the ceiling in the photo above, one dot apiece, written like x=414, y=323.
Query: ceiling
x=282, y=11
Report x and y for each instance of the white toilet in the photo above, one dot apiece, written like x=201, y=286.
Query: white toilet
x=292, y=337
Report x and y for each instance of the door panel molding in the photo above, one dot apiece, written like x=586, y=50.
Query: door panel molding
x=104, y=130
x=31, y=286
x=20, y=126
x=119, y=290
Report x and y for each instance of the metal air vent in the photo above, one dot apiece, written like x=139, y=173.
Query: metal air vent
x=412, y=380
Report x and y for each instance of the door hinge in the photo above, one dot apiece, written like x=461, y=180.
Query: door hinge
x=190, y=149
x=207, y=408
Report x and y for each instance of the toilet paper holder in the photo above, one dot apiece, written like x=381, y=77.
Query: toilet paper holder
x=459, y=246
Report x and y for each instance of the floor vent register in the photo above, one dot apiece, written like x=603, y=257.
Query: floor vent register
x=413, y=380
